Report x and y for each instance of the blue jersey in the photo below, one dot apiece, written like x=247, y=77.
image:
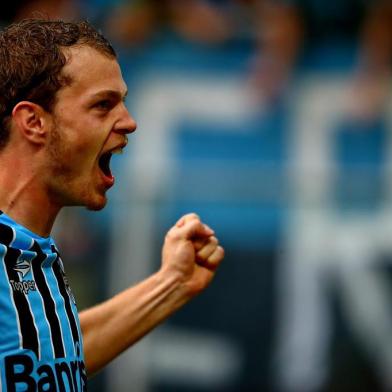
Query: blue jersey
x=40, y=338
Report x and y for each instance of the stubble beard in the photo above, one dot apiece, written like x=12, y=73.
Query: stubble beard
x=65, y=187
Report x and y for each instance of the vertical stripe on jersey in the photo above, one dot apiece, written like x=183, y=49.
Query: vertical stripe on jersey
x=28, y=332
x=59, y=274
x=49, y=304
x=6, y=234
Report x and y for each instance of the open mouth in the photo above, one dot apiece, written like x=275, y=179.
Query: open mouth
x=104, y=163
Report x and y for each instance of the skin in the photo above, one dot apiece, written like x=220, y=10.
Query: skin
x=54, y=160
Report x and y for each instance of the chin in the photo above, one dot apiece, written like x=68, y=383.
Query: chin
x=96, y=202
x=96, y=205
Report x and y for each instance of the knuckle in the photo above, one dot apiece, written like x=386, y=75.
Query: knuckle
x=172, y=234
x=218, y=253
x=214, y=240
x=194, y=225
x=192, y=215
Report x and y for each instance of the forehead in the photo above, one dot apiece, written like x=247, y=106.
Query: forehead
x=90, y=72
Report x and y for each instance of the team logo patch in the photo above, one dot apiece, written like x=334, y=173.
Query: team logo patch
x=23, y=267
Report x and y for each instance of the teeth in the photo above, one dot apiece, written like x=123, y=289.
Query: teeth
x=117, y=150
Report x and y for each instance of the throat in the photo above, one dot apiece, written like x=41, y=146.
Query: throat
x=38, y=220
x=29, y=205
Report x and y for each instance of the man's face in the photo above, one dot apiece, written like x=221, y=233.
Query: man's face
x=89, y=122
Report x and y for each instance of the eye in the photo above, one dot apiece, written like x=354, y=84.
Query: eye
x=104, y=104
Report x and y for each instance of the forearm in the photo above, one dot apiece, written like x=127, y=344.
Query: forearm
x=377, y=38
x=113, y=326
x=279, y=41
x=280, y=35
x=190, y=257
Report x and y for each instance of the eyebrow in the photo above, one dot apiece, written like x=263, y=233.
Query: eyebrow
x=112, y=94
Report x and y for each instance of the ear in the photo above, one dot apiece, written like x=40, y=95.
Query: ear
x=32, y=121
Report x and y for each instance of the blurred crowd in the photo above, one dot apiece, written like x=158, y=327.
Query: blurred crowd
x=282, y=32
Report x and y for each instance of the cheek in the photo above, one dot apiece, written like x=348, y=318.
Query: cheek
x=78, y=152
x=79, y=143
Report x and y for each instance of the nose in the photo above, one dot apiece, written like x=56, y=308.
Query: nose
x=126, y=123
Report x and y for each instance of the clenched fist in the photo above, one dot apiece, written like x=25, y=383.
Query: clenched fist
x=192, y=252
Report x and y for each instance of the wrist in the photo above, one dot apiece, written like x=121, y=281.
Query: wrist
x=172, y=282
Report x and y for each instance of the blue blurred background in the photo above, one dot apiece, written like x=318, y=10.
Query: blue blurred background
x=272, y=120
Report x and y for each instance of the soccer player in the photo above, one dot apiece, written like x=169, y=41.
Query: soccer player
x=62, y=117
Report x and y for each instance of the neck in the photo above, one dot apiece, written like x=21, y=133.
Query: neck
x=23, y=196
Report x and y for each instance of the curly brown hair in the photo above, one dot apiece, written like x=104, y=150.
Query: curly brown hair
x=32, y=58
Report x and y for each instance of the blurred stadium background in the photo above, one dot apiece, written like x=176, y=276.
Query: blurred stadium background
x=272, y=119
